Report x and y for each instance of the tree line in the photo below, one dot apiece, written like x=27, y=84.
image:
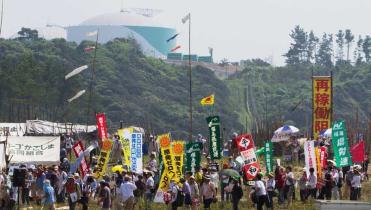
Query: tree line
x=328, y=50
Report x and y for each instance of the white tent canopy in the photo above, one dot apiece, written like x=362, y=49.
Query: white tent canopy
x=52, y=128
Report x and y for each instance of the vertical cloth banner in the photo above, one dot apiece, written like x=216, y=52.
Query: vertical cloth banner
x=340, y=144
x=358, y=152
x=268, y=153
x=310, y=156
x=215, y=140
x=193, y=156
x=136, y=155
x=178, y=151
x=102, y=126
x=125, y=137
x=322, y=104
x=323, y=156
x=169, y=165
x=2, y=156
x=78, y=148
x=246, y=146
x=317, y=152
x=103, y=159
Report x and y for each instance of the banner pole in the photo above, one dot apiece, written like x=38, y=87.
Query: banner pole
x=190, y=78
x=312, y=132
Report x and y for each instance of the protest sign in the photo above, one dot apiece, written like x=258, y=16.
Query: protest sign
x=215, y=140
x=340, y=144
x=34, y=149
x=136, y=155
x=193, y=156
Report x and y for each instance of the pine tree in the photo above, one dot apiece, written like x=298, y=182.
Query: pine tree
x=349, y=38
x=366, y=47
x=340, y=44
x=358, y=51
x=325, y=51
x=312, y=44
x=297, y=53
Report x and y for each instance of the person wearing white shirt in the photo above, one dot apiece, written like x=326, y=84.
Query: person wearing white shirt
x=150, y=187
x=271, y=185
x=127, y=193
x=261, y=193
x=335, y=188
x=356, y=185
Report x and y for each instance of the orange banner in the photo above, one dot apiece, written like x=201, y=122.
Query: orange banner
x=322, y=104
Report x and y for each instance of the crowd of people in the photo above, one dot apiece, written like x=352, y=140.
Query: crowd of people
x=47, y=186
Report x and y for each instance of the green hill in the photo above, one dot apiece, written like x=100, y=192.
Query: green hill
x=128, y=86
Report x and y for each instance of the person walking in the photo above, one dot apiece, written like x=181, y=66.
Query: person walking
x=261, y=193
x=303, y=183
x=49, y=199
x=105, y=199
x=195, y=193
x=236, y=193
x=127, y=193
x=174, y=189
x=312, y=184
x=271, y=186
x=280, y=177
x=73, y=192
x=290, y=185
x=208, y=192
x=356, y=185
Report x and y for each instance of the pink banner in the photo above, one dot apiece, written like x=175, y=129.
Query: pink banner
x=323, y=156
x=102, y=126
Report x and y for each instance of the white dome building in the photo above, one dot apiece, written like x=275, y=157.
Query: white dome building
x=150, y=34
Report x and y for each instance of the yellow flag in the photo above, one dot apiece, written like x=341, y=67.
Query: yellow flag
x=208, y=101
x=103, y=159
x=125, y=137
x=178, y=155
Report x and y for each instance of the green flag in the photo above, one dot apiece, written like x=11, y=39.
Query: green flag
x=215, y=140
x=268, y=153
x=193, y=156
x=340, y=144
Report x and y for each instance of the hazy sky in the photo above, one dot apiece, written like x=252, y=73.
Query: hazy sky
x=236, y=29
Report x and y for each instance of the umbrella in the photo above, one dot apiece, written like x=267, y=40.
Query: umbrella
x=283, y=133
x=287, y=129
x=118, y=168
x=326, y=133
x=230, y=172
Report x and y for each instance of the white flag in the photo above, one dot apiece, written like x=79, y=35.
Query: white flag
x=186, y=18
x=93, y=33
x=76, y=71
x=76, y=96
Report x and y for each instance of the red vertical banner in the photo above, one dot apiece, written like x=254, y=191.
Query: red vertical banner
x=246, y=146
x=78, y=148
x=323, y=155
x=102, y=126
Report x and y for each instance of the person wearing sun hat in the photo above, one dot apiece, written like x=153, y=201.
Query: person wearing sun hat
x=208, y=192
x=195, y=192
x=356, y=185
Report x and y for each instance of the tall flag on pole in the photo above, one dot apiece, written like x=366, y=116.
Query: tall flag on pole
x=186, y=18
x=322, y=104
x=215, y=140
x=208, y=101
x=340, y=144
x=75, y=71
x=78, y=95
x=171, y=38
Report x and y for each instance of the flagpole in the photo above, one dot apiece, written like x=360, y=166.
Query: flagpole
x=91, y=81
x=190, y=79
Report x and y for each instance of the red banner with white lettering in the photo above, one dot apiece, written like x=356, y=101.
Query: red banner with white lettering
x=78, y=148
x=246, y=146
x=102, y=126
x=244, y=142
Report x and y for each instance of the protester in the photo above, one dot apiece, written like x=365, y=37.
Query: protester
x=73, y=191
x=49, y=199
x=312, y=184
x=303, y=181
x=290, y=185
x=224, y=181
x=127, y=193
x=280, y=177
x=236, y=193
x=208, y=192
x=261, y=193
x=271, y=186
x=104, y=196
x=173, y=190
x=194, y=192
x=150, y=187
